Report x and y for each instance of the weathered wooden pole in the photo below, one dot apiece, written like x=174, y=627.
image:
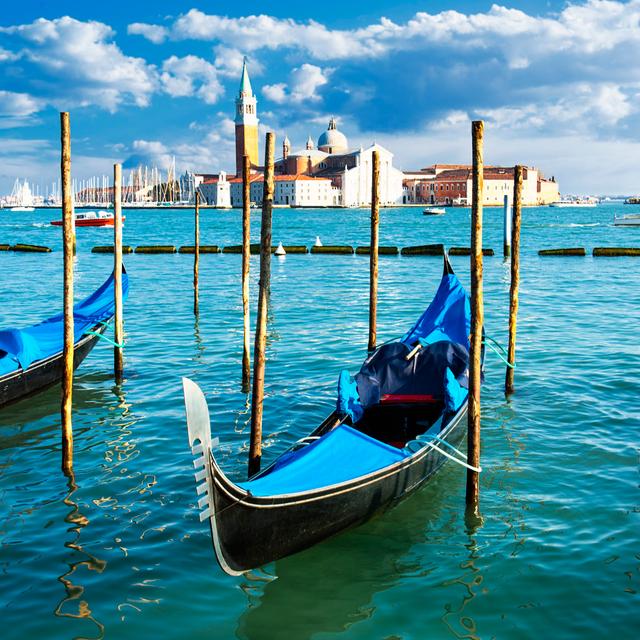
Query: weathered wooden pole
x=196, y=256
x=257, y=397
x=508, y=216
x=118, y=360
x=246, y=257
x=515, y=276
x=68, y=251
x=373, y=249
x=477, y=318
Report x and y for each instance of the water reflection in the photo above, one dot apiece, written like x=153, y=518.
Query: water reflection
x=73, y=605
x=332, y=586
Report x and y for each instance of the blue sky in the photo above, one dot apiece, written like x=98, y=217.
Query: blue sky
x=557, y=83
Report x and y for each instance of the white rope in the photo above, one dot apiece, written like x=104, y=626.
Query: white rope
x=448, y=455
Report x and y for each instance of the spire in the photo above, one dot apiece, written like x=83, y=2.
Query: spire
x=245, y=83
x=332, y=123
x=309, y=143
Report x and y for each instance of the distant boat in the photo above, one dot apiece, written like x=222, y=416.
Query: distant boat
x=433, y=211
x=21, y=197
x=575, y=202
x=91, y=219
x=633, y=200
x=631, y=220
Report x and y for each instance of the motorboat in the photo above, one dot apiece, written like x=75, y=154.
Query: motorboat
x=90, y=219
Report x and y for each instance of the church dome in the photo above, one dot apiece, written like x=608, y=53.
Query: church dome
x=332, y=140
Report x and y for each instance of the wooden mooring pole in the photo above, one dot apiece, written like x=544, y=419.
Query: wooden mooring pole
x=246, y=258
x=257, y=397
x=118, y=360
x=196, y=256
x=373, y=249
x=477, y=318
x=68, y=253
x=508, y=217
x=515, y=276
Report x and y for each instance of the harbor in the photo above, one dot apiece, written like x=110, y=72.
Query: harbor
x=121, y=551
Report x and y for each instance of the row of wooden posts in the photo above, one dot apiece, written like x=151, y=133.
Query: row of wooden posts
x=511, y=247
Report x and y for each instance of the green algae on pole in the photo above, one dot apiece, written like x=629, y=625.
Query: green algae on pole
x=336, y=249
x=616, y=252
x=373, y=250
x=29, y=248
x=68, y=246
x=515, y=277
x=466, y=251
x=257, y=397
x=477, y=318
x=156, y=248
x=109, y=249
x=423, y=250
x=572, y=251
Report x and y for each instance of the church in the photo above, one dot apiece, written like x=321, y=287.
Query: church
x=326, y=174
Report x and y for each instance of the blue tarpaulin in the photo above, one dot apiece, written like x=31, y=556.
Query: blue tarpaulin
x=448, y=317
x=443, y=330
x=22, y=347
x=340, y=455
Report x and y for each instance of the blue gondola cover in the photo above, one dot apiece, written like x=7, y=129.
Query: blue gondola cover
x=340, y=455
x=22, y=347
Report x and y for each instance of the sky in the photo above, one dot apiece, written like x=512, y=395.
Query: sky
x=556, y=83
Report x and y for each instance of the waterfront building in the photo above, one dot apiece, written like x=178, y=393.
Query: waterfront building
x=452, y=184
x=348, y=171
x=246, y=122
x=215, y=190
x=294, y=190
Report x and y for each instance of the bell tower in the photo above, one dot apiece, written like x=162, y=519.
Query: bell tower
x=246, y=123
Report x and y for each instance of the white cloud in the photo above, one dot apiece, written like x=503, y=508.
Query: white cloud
x=79, y=64
x=304, y=81
x=18, y=104
x=276, y=92
x=152, y=32
x=8, y=56
x=597, y=25
x=191, y=76
x=228, y=62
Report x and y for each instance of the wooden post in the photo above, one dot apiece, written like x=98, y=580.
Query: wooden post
x=477, y=317
x=68, y=251
x=515, y=276
x=373, y=249
x=118, y=364
x=196, y=256
x=508, y=216
x=257, y=397
x=246, y=257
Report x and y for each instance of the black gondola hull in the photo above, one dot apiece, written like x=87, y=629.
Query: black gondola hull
x=250, y=531
x=45, y=373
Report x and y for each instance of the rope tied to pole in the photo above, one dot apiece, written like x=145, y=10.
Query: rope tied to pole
x=498, y=349
x=88, y=332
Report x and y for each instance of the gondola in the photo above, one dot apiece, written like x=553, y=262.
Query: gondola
x=394, y=426
x=31, y=358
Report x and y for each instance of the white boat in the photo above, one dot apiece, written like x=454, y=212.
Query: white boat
x=433, y=211
x=575, y=202
x=630, y=220
x=21, y=197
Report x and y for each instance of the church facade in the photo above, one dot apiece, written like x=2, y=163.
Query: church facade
x=331, y=162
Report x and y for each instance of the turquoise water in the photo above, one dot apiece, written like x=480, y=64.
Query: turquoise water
x=121, y=552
